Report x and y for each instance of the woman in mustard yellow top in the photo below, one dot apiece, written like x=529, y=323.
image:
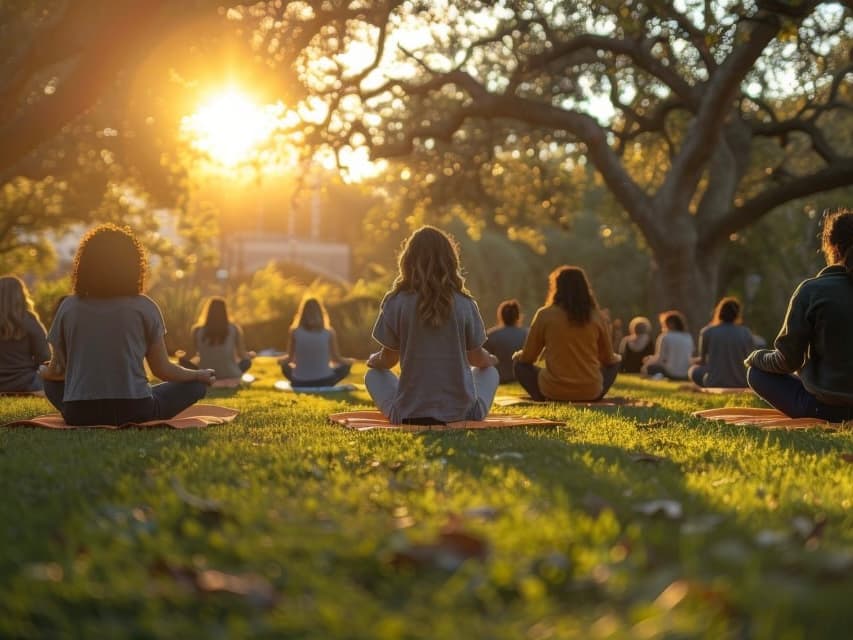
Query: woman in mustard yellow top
x=579, y=361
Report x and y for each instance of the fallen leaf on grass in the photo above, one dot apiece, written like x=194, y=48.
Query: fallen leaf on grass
x=508, y=455
x=670, y=509
x=255, y=588
x=451, y=549
x=653, y=424
x=204, y=505
x=847, y=457
x=646, y=457
x=808, y=529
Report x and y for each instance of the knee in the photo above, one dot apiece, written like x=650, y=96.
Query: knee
x=197, y=390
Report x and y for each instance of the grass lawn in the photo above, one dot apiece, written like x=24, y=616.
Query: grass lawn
x=282, y=525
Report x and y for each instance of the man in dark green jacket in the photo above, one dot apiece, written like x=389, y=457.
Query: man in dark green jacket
x=816, y=339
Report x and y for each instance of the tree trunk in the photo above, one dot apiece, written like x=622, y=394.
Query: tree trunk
x=687, y=281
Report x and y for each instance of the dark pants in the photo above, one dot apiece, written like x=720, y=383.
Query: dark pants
x=787, y=393
x=168, y=399
x=338, y=373
x=528, y=377
x=245, y=364
x=698, y=374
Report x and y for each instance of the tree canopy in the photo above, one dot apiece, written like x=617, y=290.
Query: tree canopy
x=699, y=116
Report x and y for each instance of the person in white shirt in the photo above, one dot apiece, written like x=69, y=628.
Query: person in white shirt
x=673, y=351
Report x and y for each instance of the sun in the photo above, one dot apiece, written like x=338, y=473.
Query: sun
x=229, y=127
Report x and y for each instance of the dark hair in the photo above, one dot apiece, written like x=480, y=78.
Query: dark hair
x=673, y=320
x=837, y=236
x=727, y=310
x=311, y=315
x=509, y=311
x=215, y=327
x=110, y=262
x=569, y=289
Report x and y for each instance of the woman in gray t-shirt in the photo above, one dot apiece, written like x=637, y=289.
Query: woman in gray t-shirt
x=429, y=323
x=23, y=346
x=313, y=358
x=102, y=334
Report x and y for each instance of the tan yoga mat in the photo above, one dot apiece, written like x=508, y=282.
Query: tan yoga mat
x=195, y=417
x=32, y=394
x=767, y=419
x=716, y=391
x=370, y=420
x=615, y=401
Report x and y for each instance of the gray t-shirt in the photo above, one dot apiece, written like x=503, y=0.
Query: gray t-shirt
x=19, y=359
x=222, y=357
x=723, y=348
x=503, y=342
x=435, y=377
x=104, y=341
x=311, y=352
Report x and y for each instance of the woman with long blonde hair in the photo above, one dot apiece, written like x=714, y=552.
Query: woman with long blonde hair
x=23, y=340
x=313, y=358
x=430, y=324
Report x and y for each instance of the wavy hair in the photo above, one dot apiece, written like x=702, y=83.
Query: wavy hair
x=568, y=288
x=15, y=303
x=110, y=262
x=429, y=266
x=837, y=237
x=213, y=321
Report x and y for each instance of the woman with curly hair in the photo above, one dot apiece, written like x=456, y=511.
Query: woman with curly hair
x=430, y=324
x=104, y=331
x=23, y=346
x=573, y=333
x=809, y=372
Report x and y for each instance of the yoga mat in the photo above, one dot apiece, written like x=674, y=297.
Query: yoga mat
x=766, y=419
x=284, y=385
x=195, y=417
x=32, y=394
x=714, y=390
x=615, y=401
x=370, y=420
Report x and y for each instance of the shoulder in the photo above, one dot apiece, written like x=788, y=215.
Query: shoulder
x=143, y=302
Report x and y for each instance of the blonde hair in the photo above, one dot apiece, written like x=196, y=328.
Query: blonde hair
x=429, y=266
x=311, y=315
x=15, y=303
x=639, y=325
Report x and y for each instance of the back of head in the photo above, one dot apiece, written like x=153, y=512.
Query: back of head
x=837, y=238
x=673, y=320
x=15, y=302
x=727, y=311
x=110, y=262
x=215, y=328
x=311, y=315
x=639, y=326
x=569, y=289
x=429, y=266
x=509, y=312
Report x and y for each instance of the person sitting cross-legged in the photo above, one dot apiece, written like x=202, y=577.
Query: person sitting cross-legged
x=580, y=364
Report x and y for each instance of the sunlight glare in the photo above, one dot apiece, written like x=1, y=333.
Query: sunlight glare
x=229, y=127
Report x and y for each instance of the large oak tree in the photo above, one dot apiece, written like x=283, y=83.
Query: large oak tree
x=700, y=116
